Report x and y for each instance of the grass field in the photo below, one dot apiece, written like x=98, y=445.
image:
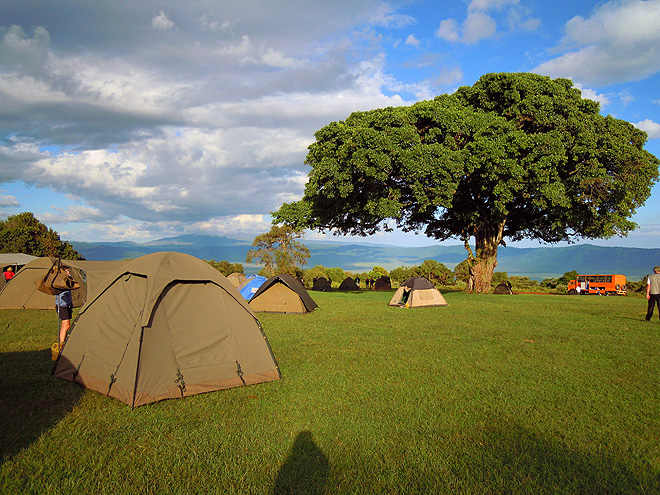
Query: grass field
x=491, y=394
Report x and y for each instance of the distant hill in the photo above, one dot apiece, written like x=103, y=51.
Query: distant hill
x=535, y=263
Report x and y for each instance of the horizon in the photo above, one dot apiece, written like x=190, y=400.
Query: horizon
x=196, y=118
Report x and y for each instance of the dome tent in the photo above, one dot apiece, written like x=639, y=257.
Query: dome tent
x=348, y=284
x=251, y=286
x=237, y=279
x=383, y=283
x=417, y=292
x=22, y=292
x=165, y=325
x=282, y=294
x=503, y=288
x=322, y=284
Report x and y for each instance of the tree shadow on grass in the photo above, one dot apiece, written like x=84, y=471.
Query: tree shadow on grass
x=507, y=457
x=32, y=400
x=306, y=469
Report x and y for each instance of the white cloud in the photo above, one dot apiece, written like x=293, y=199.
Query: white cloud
x=214, y=26
x=478, y=26
x=448, y=30
x=385, y=17
x=276, y=58
x=72, y=214
x=626, y=97
x=412, y=41
x=7, y=200
x=448, y=76
x=161, y=22
x=490, y=4
x=519, y=18
x=650, y=127
x=618, y=43
x=591, y=94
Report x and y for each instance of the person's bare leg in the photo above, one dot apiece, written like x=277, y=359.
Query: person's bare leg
x=64, y=328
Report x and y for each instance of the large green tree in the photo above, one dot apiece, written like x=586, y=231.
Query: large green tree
x=23, y=233
x=279, y=250
x=516, y=156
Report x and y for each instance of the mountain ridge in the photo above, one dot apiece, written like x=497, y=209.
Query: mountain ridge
x=536, y=263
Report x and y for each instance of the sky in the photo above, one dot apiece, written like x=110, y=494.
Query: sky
x=137, y=120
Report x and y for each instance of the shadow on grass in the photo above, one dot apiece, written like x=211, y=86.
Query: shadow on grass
x=509, y=457
x=32, y=400
x=306, y=469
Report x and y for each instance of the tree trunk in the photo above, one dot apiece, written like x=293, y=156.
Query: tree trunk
x=483, y=264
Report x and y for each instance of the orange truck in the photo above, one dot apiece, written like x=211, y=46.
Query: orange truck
x=604, y=285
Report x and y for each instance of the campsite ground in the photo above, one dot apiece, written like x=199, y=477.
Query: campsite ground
x=491, y=394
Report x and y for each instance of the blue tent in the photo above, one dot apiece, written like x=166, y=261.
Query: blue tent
x=253, y=283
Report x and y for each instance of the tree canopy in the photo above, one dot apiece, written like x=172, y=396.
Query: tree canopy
x=225, y=267
x=515, y=156
x=23, y=233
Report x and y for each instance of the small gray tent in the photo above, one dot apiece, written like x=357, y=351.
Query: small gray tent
x=165, y=325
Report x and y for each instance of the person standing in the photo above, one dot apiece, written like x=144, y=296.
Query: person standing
x=653, y=292
x=64, y=308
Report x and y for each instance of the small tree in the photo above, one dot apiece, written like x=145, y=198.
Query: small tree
x=498, y=278
x=279, y=251
x=313, y=273
x=567, y=277
x=23, y=233
x=225, y=267
x=402, y=273
x=462, y=271
x=436, y=272
x=336, y=275
x=377, y=272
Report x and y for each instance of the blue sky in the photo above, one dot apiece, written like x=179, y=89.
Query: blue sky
x=131, y=120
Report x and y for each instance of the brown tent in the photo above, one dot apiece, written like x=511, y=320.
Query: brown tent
x=322, y=284
x=383, y=283
x=22, y=292
x=348, y=284
x=165, y=325
x=237, y=279
x=417, y=292
x=15, y=261
x=282, y=294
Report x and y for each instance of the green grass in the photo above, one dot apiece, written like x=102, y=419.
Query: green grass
x=492, y=394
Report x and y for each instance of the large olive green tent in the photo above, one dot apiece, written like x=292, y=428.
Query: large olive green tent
x=22, y=293
x=417, y=292
x=165, y=325
x=282, y=294
x=15, y=261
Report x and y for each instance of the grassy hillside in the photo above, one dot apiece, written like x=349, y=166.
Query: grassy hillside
x=491, y=394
